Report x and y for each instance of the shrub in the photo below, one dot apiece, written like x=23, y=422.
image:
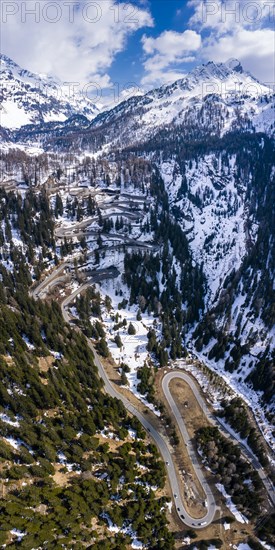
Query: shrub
x=131, y=329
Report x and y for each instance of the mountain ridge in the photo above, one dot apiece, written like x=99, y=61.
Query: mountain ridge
x=29, y=98
x=238, y=97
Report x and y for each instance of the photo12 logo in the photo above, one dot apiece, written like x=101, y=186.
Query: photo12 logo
x=52, y=12
x=92, y=92
x=248, y=11
x=234, y=91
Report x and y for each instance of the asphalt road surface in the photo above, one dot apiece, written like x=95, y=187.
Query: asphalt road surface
x=215, y=421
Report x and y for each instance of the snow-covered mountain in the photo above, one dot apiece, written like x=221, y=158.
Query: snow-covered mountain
x=214, y=98
x=28, y=98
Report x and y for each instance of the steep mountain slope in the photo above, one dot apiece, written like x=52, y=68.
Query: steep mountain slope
x=28, y=98
x=223, y=197
x=212, y=100
x=221, y=194
x=75, y=470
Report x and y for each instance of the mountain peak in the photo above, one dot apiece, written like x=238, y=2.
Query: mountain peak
x=4, y=58
x=212, y=70
x=234, y=65
x=30, y=98
x=7, y=62
x=219, y=69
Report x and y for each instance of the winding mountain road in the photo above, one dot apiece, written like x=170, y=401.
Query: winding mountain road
x=210, y=500
x=161, y=443
x=167, y=456
x=184, y=516
x=44, y=286
x=215, y=421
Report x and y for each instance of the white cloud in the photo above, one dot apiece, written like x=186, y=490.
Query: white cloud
x=76, y=41
x=255, y=49
x=172, y=44
x=159, y=78
x=170, y=48
x=229, y=15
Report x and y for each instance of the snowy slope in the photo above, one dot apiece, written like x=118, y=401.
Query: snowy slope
x=223, y=202
x=28, y=98
x=213, y=215
x=236, y=90
x=217, y=97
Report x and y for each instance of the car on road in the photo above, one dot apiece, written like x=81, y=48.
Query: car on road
x=167, y=463
x=175, y=496
x=182, y=516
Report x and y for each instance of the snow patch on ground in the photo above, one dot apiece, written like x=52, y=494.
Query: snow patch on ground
x=133, y=351
x=136, y=544
x=15, y=443
x=230, y=505
x=12, y=116
x=169, y=506
x=18, y=534
x=71, y=467
x=5, y=418
x=30, y=346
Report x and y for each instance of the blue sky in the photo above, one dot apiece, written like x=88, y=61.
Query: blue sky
x=173, y=14
x=107, y=44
